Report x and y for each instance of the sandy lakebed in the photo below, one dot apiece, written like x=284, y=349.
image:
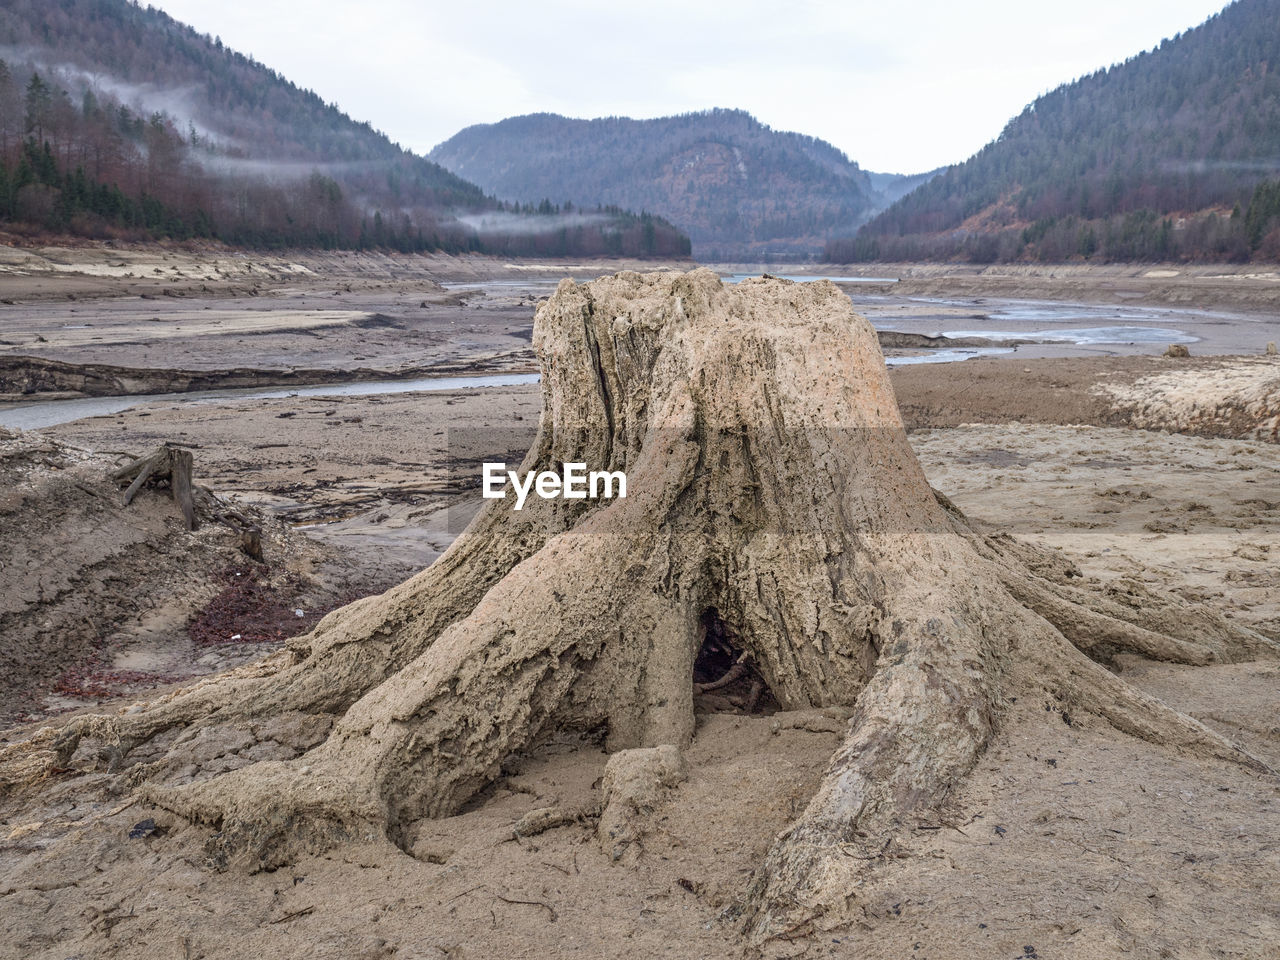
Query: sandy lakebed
x=1067, y=841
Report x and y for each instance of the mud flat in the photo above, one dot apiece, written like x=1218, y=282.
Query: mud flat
x=294, y=321
x=1225, y=396
x=1246, y=287
x=30, y=379
x=1066, y=840
x=100, y=321
x=89, y=270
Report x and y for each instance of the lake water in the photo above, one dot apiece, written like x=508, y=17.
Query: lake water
x=954, y=355
x=29, y=416
x=808, y=278
x=1084, y=335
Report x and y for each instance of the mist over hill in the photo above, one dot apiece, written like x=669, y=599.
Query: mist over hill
x=738, y=188
x=1171, y=154
x=116, y=120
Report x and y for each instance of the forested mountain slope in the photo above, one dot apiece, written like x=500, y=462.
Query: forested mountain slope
x=117, y=120
x=1158, y=157
x=739, y=188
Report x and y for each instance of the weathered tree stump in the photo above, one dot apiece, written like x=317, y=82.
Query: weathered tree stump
x=169, y=463
x=769, y=478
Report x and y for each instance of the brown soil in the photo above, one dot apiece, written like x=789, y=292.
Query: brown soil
x=1206, y=396
x=24, y=379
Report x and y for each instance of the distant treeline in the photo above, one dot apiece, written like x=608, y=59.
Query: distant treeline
x=1158, y=157
x=101, y=170
x=1245, y=233
x=37, y=194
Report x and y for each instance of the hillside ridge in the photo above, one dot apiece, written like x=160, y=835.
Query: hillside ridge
x=118, y=121
x=1165, y=156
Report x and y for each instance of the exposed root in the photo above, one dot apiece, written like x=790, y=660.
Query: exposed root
x=634, y=781
x=734, y=673
x=1092, y=631
x=918, y=727
x=1122, y=616
x=897, y=766
x=28, y=763
x=1087, y=687
x=273, y=813
x=542, y=819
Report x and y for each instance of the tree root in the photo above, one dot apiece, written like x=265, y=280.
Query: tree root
x=273, y=813
x=542, y=819
x=898, y=765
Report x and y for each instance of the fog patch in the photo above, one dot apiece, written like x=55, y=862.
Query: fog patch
x=1208, y=166
x=515, y=223
x=179, y=104
x=280, y=170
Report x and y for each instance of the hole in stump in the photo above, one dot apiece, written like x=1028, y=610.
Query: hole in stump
x=724, y=681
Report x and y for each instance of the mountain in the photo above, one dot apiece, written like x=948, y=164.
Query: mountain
x=737, y=187
x=1166, y=155
x=116, y=120
x=891, y=187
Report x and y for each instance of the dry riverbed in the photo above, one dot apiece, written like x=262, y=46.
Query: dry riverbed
x=1068, y=841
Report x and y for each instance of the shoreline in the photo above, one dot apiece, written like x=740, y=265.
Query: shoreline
x=77, y=381
x=1223, y=396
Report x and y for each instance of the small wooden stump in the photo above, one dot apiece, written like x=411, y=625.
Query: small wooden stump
x=251, y=543
x=164, y=463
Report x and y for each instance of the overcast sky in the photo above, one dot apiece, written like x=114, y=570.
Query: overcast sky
x=900, y=87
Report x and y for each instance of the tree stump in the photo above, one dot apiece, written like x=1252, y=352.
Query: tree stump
x=769, y=479
x=169, y=463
